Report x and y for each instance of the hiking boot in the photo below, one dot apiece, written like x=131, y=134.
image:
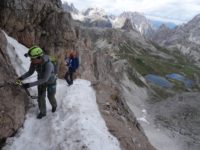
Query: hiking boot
x=70, y=83
x=40, y=115
x=53, y=109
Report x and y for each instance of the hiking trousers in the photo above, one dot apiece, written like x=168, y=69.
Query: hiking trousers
x=51, y=91
x=69, y=76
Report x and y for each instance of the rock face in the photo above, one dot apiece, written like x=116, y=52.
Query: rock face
x=115, y=54
x=39, y=22
x=99, y=23
x=139, y=21
x=162, y=32
x=70, y=8
x=185, y=38
x=96, y=17
x=127, y=25
x=92, y=17
x=184, y=121
x=31, y=22
x=24, y=16
x=12, y=99
x=109, y=71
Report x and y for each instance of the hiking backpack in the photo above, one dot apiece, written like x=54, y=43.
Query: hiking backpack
x=55, y=63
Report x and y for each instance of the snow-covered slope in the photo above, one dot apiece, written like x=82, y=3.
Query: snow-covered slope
x=77, y=123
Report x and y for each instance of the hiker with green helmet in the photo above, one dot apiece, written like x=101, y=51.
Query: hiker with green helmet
x=46, y=79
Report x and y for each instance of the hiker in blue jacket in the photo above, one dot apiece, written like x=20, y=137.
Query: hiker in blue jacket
x=72, y=62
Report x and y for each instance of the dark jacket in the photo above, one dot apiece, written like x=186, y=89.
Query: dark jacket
x=72, y=63
x=45, y=72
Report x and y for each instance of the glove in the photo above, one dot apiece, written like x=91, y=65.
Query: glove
x=18, y=82
x=26, y=85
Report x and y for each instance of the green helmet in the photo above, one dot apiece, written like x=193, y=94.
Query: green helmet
x=35, y=52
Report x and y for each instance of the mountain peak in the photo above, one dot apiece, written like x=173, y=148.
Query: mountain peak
x=70, y=8
x=139, y=22
x=95, y=12
x=127, y=25
x=163, y=27
x=196, y=18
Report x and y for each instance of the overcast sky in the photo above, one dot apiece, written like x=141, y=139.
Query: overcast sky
x=177, y=10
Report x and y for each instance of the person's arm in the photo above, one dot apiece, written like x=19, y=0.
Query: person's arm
x=46, y=76
x=28, y=73
x=67, y=59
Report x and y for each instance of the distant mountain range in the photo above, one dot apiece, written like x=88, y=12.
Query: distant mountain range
x=185, y=38
x=97, y=17
x=156, y=24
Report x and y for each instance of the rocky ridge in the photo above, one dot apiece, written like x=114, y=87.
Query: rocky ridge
x=184, y=38
x=127, y=25
x=139, y=21
x=122, y=59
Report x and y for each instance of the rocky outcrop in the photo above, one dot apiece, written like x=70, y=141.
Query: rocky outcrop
x=108, y=71
x=69, y=8
x=12, y=99
x=180, y=115
x=96, y=17
x=162, y=32
x=40, y=22
x=113, y=105
x=127, y=25
x=185, y=38
x=31, y=22
x=22, y=19
x=99, y=23
x=140, y=22
x=114, y=91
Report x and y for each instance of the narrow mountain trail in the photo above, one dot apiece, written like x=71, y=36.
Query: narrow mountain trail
x=77, y=123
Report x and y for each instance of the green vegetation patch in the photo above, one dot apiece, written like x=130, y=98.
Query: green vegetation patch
x=146, y=64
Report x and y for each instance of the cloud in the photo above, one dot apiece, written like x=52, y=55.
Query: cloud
x=175, y=10
x=170, y=9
